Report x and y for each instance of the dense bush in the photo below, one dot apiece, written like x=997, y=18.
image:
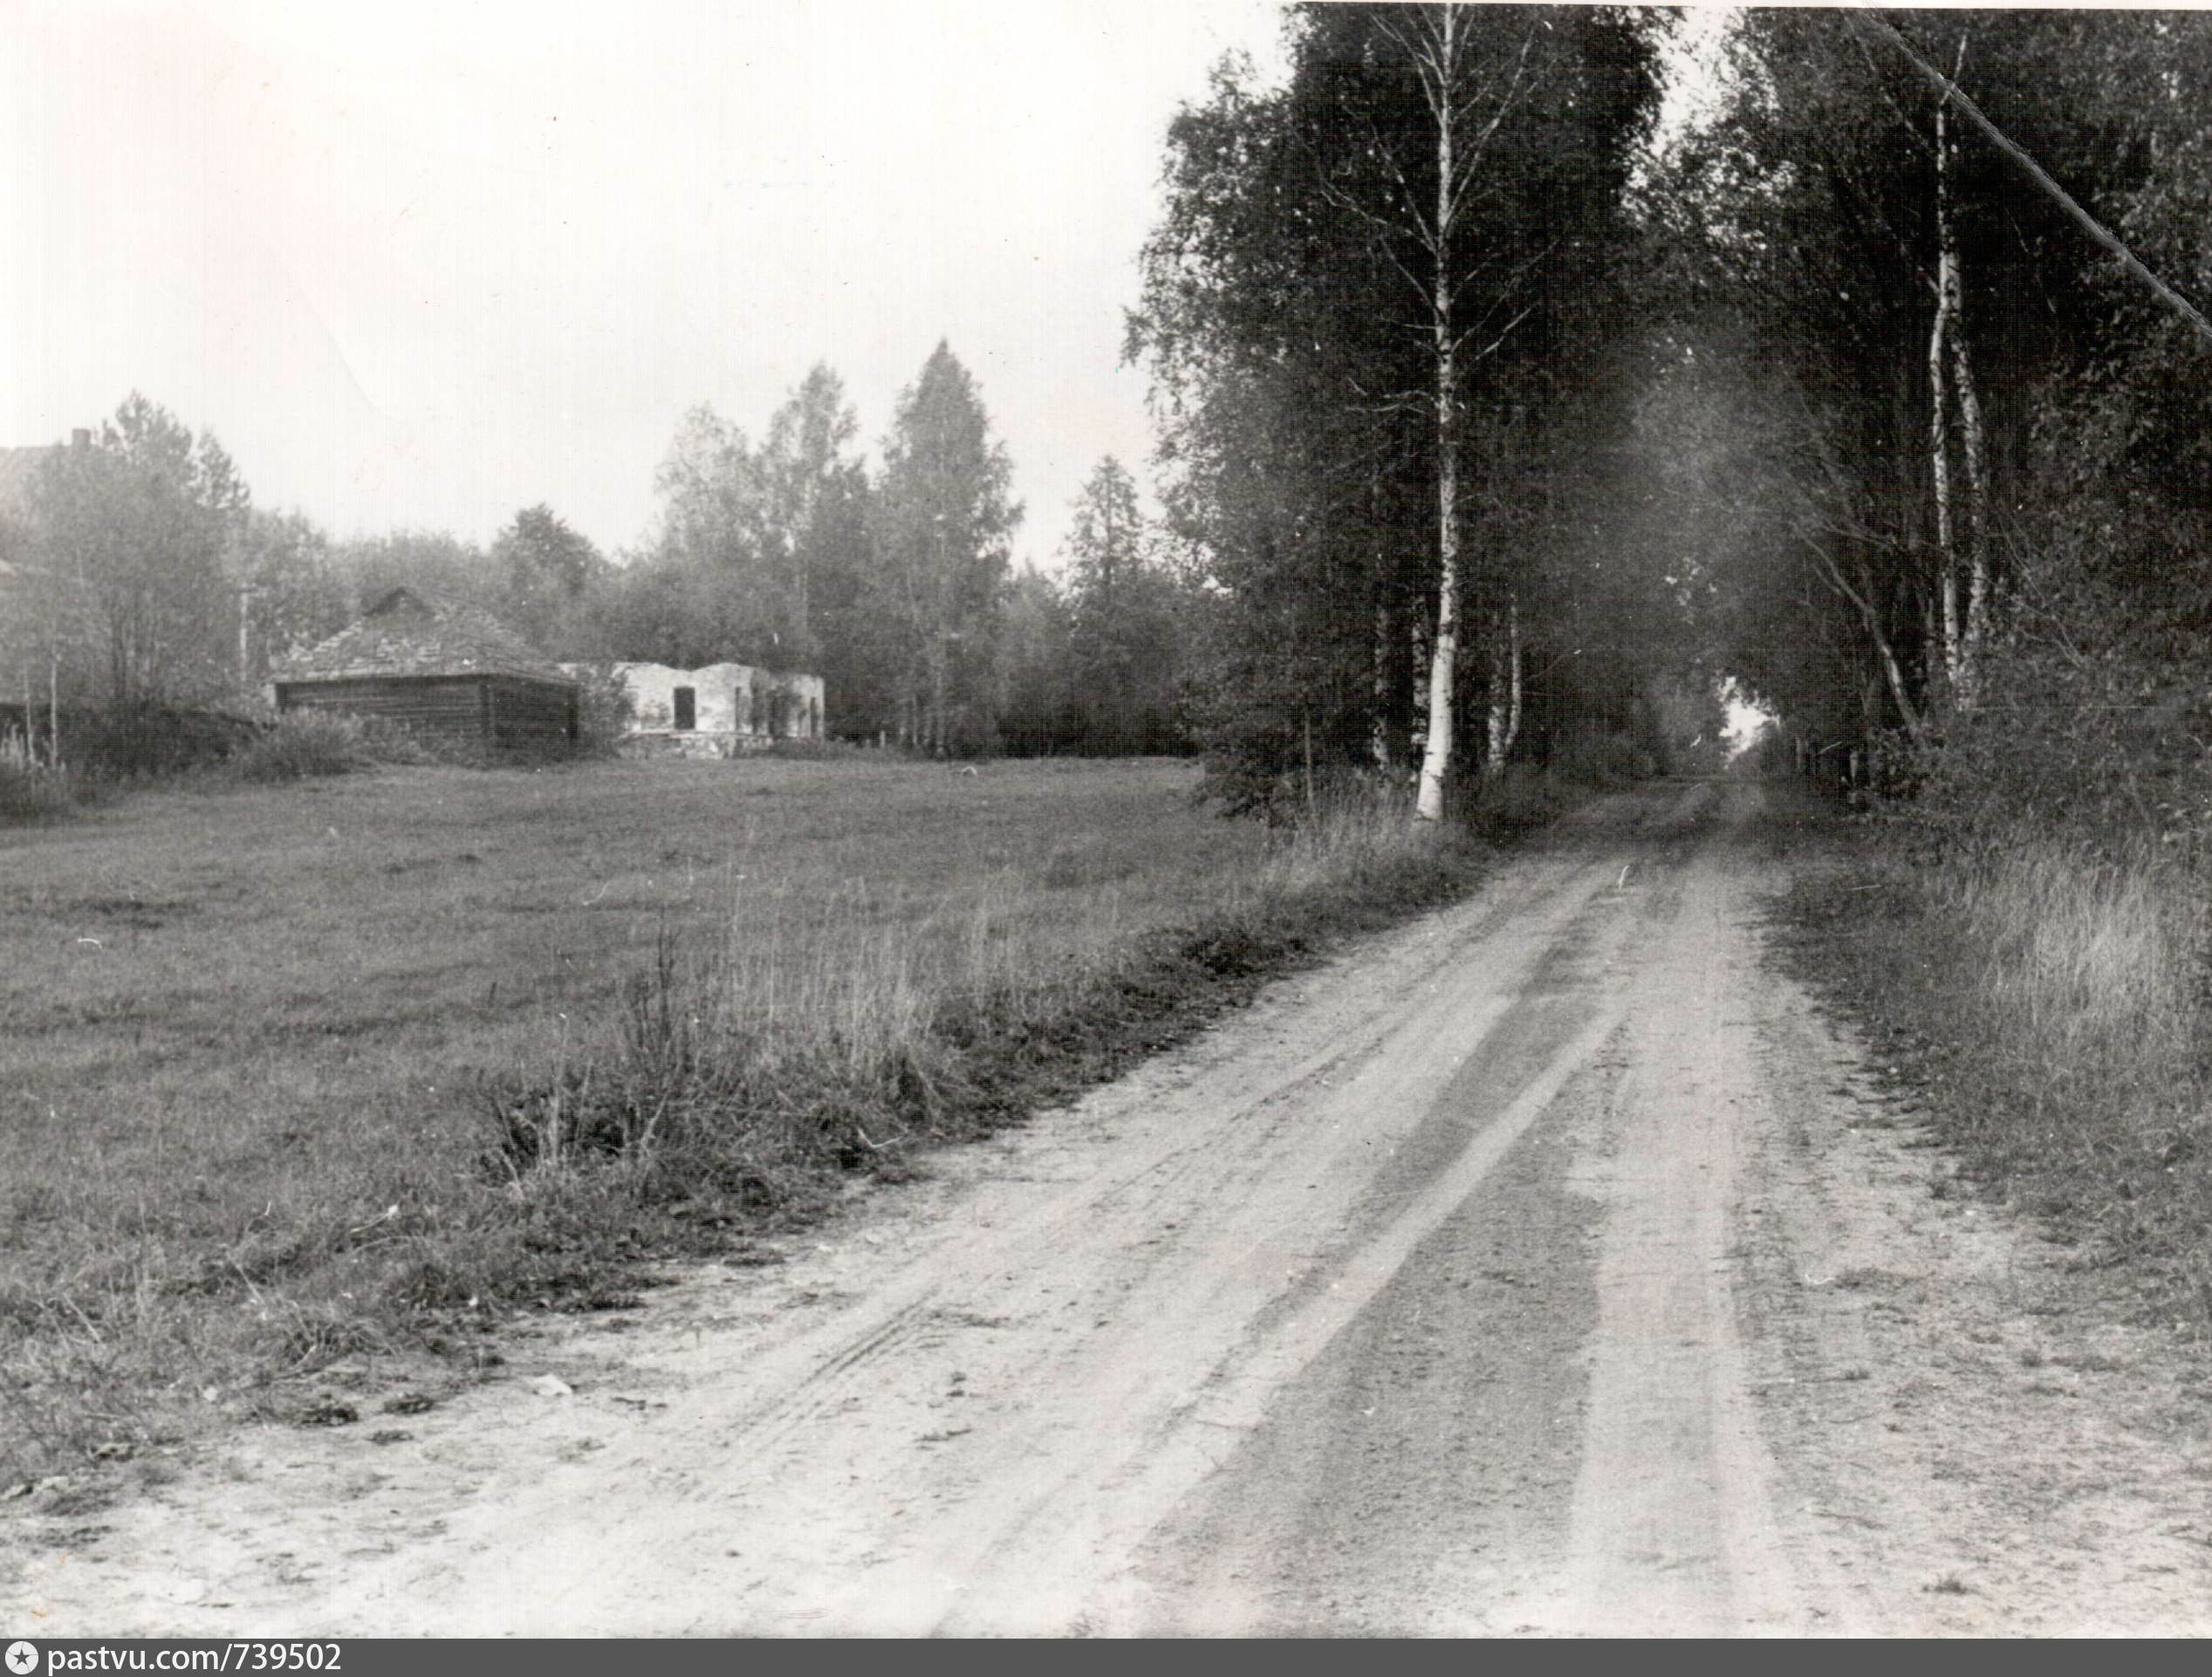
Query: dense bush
x=604, y=708
x=303, y=744
x=123, y=744
x=30, y=792
x=2032, y=934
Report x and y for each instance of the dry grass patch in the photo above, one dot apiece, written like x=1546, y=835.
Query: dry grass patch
x=2048, y=998
x=834, y=1028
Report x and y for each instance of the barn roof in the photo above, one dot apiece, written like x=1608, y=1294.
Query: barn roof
x=413, y=632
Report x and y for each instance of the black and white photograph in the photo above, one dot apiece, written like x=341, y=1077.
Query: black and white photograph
x=1115, y=818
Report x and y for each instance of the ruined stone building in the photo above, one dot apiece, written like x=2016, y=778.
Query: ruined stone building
x=722, y=710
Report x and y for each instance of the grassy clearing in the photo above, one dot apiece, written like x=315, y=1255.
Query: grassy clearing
x=2048, y=999
x=339, y=1067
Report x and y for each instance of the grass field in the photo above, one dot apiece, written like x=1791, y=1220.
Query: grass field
x=285, y=1069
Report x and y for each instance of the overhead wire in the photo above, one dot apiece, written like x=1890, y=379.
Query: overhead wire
x=1951, y=91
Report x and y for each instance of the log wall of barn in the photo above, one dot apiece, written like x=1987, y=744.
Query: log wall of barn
x=477, y=711
x=531, y=717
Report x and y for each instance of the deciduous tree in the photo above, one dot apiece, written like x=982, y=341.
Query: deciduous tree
x=294, y=593
x=543, y=568
x=1125, y=640
x=944, y=520
x=133, y=535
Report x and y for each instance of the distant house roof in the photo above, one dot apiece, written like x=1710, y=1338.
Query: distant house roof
x=415, y=632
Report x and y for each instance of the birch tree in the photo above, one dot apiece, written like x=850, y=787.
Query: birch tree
x=820, y=518
x=810, y=476
x=1359, y=280
x=1468, y=94
x=1962, y=556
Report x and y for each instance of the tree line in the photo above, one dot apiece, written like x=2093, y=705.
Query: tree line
x=143, y=581
x=1394, y=313
x=1497, y=423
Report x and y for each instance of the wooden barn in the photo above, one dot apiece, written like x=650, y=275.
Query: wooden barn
x=447, y=671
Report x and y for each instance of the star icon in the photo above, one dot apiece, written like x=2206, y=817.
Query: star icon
x=22, y=1659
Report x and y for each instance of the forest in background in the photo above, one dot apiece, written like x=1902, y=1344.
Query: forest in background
x=146, y=584
x=1500, y=422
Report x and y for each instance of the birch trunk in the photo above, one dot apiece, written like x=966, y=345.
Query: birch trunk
x=1975, y=451
x=1436, y=756
x=1939, y=417
x=1951, y=373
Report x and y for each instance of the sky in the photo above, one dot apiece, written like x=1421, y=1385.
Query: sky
x=423, y=264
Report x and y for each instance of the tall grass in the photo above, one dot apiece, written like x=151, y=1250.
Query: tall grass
x=2088, y=974
x=2048, y=997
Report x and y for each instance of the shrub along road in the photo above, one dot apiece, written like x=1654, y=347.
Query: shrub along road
x=1547, y=1265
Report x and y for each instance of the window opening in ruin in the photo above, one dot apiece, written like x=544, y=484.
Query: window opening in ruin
x=687, y=709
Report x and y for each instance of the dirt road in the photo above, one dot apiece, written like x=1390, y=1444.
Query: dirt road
x=1547, y=1266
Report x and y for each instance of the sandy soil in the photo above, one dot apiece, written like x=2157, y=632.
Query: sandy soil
x=1547, y=1266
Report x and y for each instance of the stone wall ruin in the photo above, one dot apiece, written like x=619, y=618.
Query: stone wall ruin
x=721, y=711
